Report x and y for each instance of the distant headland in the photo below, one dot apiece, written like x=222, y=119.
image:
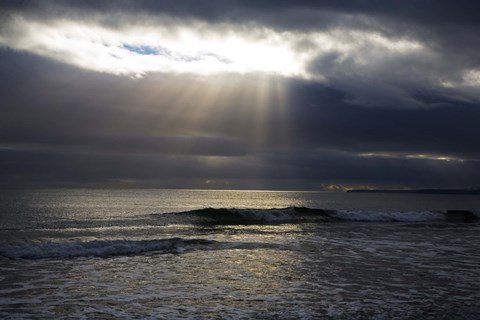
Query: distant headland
x=422, y=191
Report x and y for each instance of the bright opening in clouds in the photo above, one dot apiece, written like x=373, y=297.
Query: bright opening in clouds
x=200, y=48
x=197, y=49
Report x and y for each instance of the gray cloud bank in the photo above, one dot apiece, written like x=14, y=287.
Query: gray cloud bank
x=389, y=99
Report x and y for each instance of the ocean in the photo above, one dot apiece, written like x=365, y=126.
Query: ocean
x=195, y=254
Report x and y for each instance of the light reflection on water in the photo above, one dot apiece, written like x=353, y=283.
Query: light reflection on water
x=32, y=207
x=287, y=271
x=335, y=271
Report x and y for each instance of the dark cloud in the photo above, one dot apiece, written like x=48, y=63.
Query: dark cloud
x=385, y=120
x=426, y=12
x=322, y=118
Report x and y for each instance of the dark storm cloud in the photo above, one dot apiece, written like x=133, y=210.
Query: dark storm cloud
x=430, y=19
x=427, y=12
x=389, y=114
x=322, y=118
x=57, y=133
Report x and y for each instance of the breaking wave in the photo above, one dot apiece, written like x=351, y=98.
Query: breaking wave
x=224, y=216
x=251, y=216
x=100, y=248
x=111, y=248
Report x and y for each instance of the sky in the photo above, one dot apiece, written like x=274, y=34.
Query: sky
x=240, y=94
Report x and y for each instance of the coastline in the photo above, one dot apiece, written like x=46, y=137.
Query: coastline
x=419, y=191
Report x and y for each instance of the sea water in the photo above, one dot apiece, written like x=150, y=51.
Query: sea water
x=193, y=254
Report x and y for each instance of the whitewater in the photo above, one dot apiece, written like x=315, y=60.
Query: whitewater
x=194, y=254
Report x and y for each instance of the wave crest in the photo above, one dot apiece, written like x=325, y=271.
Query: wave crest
x=224, y=216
